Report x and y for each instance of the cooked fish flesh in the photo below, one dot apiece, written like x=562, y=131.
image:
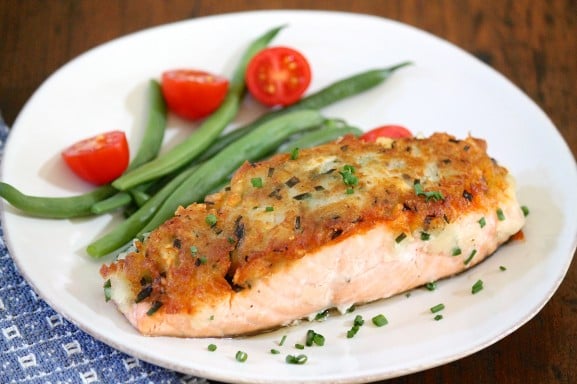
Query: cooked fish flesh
x=332, y=226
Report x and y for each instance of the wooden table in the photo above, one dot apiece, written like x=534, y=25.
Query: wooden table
x=533, y=43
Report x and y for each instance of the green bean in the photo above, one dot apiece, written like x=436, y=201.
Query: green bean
x=139, y=197
x=54, y=207
x=262, y=141
x=118, y=200
x=153, y=135
x=149, y=148
x=329, y=131
x=333, y=93
x=129, y=210
x=226, y=139
x=126, y=231
x=347, y=87
x=204, y=135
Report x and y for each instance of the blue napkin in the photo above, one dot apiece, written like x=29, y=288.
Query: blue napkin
x=37, y=345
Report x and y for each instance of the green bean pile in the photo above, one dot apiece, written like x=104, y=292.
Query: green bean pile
x=154, y=186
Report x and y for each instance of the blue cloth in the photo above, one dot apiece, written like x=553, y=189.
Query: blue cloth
x=37, y=345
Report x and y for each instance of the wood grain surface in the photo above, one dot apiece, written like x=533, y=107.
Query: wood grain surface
x=533, y=43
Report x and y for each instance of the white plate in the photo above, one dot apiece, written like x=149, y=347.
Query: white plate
x=446, y=90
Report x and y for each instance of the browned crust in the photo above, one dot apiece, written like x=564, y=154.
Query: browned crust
x=245, y=245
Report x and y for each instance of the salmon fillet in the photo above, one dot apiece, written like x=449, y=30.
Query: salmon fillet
x=340, y=224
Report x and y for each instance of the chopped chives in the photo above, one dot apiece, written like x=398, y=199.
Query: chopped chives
x=269, y=209
x=319, y=339
x=438, y=317
x=300, y=359
x=435, y=195
x=431, y=286
x=302, y=196
x=107, y=290
x=437, y=308
x=357, y=324
x=358, y=320
x=282, y=340
x=525, y=210
x=380, y=320
x=456, y=251
x=348, y=168
x=425, y=236
x=210, y=219
x=348, y=175
x=349, y=191
x=154, y=307
x=500, y=214
x=482, y=222
x=473, y=253
x=322, y=315
x=295, y=153
x=241, y=356
x=310, y=337
x=478, y=286
x=256, y=182
x=143, y=294
x=297, y=224
x=292, y=181
x=275, y=351
x=502, y=268
x=299, y=346
x=353, y=331
x=193, y=249
x=418, y=188
x=212, y=347
x=314, y=338
x=400, y=238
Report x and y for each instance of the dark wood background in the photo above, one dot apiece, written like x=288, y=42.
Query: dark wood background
x=533, y=43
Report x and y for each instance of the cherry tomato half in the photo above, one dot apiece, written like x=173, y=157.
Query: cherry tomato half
x=99, y=159
x=278, y=76
x=193, y=94
x=389, y=131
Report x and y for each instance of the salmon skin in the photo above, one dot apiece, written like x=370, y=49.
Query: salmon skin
x=332, y=226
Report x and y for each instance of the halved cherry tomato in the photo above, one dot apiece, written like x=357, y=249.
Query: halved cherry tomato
x=193, y=94
x=99, y=159
x=278, y=76
x=389, y=131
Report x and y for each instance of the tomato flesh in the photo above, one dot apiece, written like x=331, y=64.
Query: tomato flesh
x=278, y=76
x=193, y=94
x=99, y=159
x=388, y=131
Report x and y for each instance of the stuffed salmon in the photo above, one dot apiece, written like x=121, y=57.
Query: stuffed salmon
x=332, y=226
